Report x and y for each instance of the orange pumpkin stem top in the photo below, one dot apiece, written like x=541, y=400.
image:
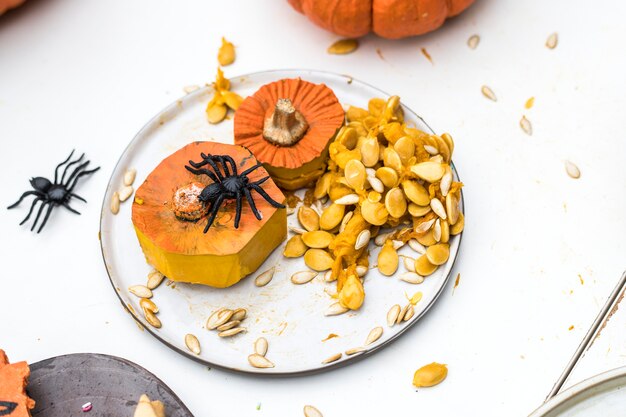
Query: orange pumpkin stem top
x=286, y=125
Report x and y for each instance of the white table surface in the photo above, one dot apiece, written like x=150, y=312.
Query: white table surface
x=89, y=74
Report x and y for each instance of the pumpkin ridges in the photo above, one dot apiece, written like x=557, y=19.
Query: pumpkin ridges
x=398, y=18
x=352, y=18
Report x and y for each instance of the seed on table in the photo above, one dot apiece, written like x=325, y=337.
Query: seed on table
x=552, y=40
x=473, y=41
x=446, y=182
x=374, y=213
x=405, y=148
x=232, y=332
x=430, y=375
x=302, y=277
x=239, y=314
x=374, y=335
x=192, y=343
x=259, y=361
x=431, y=149
x=343, y=46
x=129, y=176
x=395, y=203
x=361, y=270
x=332, y=358
x=381, y=238
x=412, y=278
x=335, y=309
x=488, y=92
x=416, y=192
x=388, y=176
x=397, y=244
x=147, y=304
x=218, y=318
x=572, y=170
x=318, y=260
x=310, y=411
x=362, y=239
x=155, y=278
x=115, y=203
x=415, y=298
x=370, y=151
x=264, y=278
x=126, y=192
x=445, y=231
x=228, y=325
x=261, y=346
x=332, y=216
x=140, y=291
x=152, y=319
x=392, y=315
x=318, y=239
x=296, y=230
x=524, y=123
x=347, y=200
x=308, y=218
x=355, y=174
x=295, y=247
x=328, y=276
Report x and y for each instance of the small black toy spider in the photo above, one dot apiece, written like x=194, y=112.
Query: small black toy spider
x=55, y=193
x=229, y=185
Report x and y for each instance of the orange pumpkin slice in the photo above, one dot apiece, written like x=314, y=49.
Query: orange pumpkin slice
x=288, y=125
x=178, y=248
x=13, y=379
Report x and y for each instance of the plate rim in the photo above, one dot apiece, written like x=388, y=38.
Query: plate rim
x=255, y=372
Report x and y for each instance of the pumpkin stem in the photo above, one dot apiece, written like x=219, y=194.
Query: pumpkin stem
x=286, y=125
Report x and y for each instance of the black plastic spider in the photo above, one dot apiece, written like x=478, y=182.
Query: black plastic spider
x=229, y=185
x=55, y=193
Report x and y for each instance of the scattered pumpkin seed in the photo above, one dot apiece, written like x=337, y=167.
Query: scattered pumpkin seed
x=125, y=192
x=473, y=41
x=155, y=278
x=572, y=170
x=264, y=278
x=228, y=325
x=457, y=227
x=218, y=318
x=239, y=314
x=417, y=247
x=261, y=346
x=452, y=209
x=423, y=266
x=318, y=239
x=115, y=203
x=524, y=123
x=425, y=226
x=308, y=218
x=354, y=351
x=376, y=184
x=361, y=270
x=318, y=259
x=347, y=200
x=412, y=278
x=343, y=47
x=328, y=276
x=409, y=263
x=552, y=40
x=295, y=247
x=437, y=207
x=437, y=230
x=415, y=298
x=388, y=259
x=147, y=304
x=446, y=182
x=302, y=277
x=362, y=239
x=345, y=220
x=374, y=335
x=129, y=176
x=296, y=230
x=438, y=254
x=232, y=332
x=332, y=358
x=310, y=411
x=430, y=375
x=259, y=361
x=488, y=92
x=226, y=53
x=140, y=291
x=335, y=309
x=216, y=112
x=410, y=312
x=332, y=216
x=192, y=343
x=392, y=315
x=152, y=319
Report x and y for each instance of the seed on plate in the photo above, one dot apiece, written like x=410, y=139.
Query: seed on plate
x=377, y=185
x=228, y=325
x=264, y=278
x=416, y=192
x=452, y=209
x=423, y=266
x=318, y=239
x=412, y=277
x=388, y=176
x=437, y=207
x=239, y=314
x=126, y=192
x=345, y=221
x=431, y=149
x=437, y=230
x=296, y=230
x=374, y=213
x=402, y=313
x=552, y=40
x=430, y=375
x=332, y=358
x=335, y=309
x=147, y=304
x=381, y=238
x=218, y=318
x=295, y=247
x=446, y=182
x=155, y=278
x=328, y=276
x=395, y=202
x=355, y=174
x=361, y=270
x=415, y=298
x=140, y=291
x=192, y=343
x=388, y=259
x=259, y=361
x=488, y=92
x=430, y=171
x=370, y=151
x=392, y=315
x=457, y=227
x=354, y=351
x=332, y=216
x=405, y=148
x=425, y=226
x=318, y=259
x=572, y=170
x=417, y=247
x=410, y=312
x=115, y=203
x=392, y=160
x=348, y=200
x=343, y=46
x=438, y=254
x=232, y=332
x=397, y=244
x=308, y=218
x=374, y=335
x=310, y=411
x=216, y=112
x=419, y=211
x=260, y=346
x=129, y=176
x=524, y=123
x=374, y=196
x=362, y=239
x=302, y=277
x=409, y=263
x=473, y=41
x=152, y=319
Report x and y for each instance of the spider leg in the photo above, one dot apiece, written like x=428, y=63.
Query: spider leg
x=39, y=214
x=202, y=171
x=252, y=205
x=238, y=210
x=197, y=164
x=224, y=166
x=266, y=196
x=61, y=164
x=78, y=197
x=214, y=208
x=230, y=160
x=261, y=181
x=68, y=167
x=76, y=171
x=32, y=206
x=45, y=219
x=67, y=206
x=215, y=168
x=249, y=170
x=82, y=174
x=26, y=194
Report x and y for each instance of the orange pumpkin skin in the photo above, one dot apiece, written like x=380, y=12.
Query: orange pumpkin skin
x=392, y=19
x=179, y=249
x=291, y=167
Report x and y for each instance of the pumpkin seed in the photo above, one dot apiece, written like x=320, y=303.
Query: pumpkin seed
x=259, y=361
x=290, y=211
x=232, y=332
x=152, y=319
x=392, y=160
x=323, y=185
x=409, y=263
x=418, y=211
x=318, y=239
x=318, y=259
x=446, y=182
x=308, y=218
x=347, y=200
x=392, y=315
x=376, y=184
x=140, y=291
x=343, y=46
x=445, y=232
x=155, y=278
x=380, y=239
x=295, y=247
x=402, y=313
x=310, y=411
x=232, y=100
x=449, y=141
x=437, y=207
x=410, y=312
x=216, y=112
x=190, y=88
x=362, y=239
x=388, y=260
x=226, y=53
x=332, y=358
x=416, y=192
x=405, y=148
x=552, y=40
x=355, y=175
x=374, y=335
x=415, y=298
x=488, y=92
x=296, y=230
x=397, y=244
x=423, y=266
x=370, y=151
x=395, y=203
x=264, y=278
x=239, y=314
x=412, y=277
x=219, y=317
x=126, y=192
x=572, y=170
x=437, y=158
x=374, y=213
x=437, y=230
x=361, y=270
x=424, y=226
x=129, y=176
x=457, y=227
x=332, y=216
x=192, y=343
x=260, y=346
x=115, y=203
x=452, y=208
x=329, y=277
x=388, y=176
x=431, y=149
x=345, y=221
x=147, y=304
x=417, y=247
x=526, y=126
x=430, y=375
x=438, y=254
x=302, y=277
x=348, y=137
x=429, y=171
x=473, y=41
x=228, y=325
x=374, y=197
x=427, y=238
x=335, y=309
x=354, y=351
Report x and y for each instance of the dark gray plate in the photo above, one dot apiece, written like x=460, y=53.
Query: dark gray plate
x=61, y=385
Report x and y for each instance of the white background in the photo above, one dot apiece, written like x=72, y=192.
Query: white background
x=89, y=74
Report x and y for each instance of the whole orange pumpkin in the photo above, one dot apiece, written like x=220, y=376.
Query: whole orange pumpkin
x=391, y=19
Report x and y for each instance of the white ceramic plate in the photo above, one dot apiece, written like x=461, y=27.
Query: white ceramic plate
x=290, y=317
